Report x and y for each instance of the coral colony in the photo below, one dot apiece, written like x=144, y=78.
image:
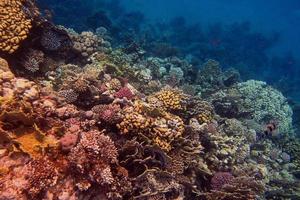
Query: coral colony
x=81, y=119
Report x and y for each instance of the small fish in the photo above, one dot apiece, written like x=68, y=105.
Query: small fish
x=271, y=129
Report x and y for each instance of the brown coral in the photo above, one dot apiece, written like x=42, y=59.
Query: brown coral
x=14, y=25
x=239, y=188
x=42, y=174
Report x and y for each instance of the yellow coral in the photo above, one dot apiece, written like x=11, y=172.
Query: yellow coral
x=204, y=117
x=171, y=99
x=162, y=144
x=160, y=127
x=14, y=25
x=134, y=121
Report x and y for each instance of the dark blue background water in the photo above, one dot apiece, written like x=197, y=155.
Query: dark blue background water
x=264, y=15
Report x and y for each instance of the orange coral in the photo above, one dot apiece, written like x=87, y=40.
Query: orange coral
x=14, y=25
x=35, y=143
x=17, y=125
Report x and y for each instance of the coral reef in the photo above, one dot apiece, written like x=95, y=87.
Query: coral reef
x=80, y=119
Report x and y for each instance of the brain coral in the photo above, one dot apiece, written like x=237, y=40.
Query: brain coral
x=14, y=25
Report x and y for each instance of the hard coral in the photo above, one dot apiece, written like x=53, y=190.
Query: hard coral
x=160, y=127
x=171, y=99
x=124, y=92
x=220, y=179
x=14, y=25
x=33, y=60
x=93, y=156
x=107, y=113
x=53, y=39
x=238, y=188
x=42, y=175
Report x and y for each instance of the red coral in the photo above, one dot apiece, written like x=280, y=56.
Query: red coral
x=124, y=92
x=220, y=179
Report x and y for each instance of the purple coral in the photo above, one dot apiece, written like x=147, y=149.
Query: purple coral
x=124, y=92
x=220, y=179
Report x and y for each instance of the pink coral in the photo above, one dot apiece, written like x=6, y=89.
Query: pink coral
x=68, y=141
x=220, y=179
x=110, y=114
x=93, y=156
x=124, y=92
x=42, y=175
x=107, y=113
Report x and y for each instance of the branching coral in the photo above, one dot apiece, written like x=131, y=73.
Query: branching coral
x=92, y=158
x=42, y=175
x=33, y=60
x=107, y=113
x=124, y=92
